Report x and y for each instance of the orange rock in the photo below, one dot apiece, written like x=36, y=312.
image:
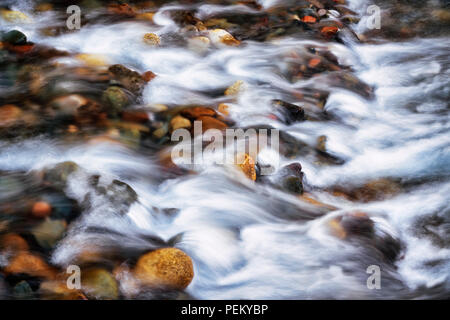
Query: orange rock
x=13, y=242
x=314, y=62
x=148, y=76
x=168, y=267
x=309, y=19
x=9, y=115
x=58, y=290
x=30, y=264
x=121, y=9
x=223, y=109
x=329, y=31
x=195, y=112
x=211, y=123
x=41, y=209
x=248, y=167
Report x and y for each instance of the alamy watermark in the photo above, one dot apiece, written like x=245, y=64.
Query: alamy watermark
x=73, y=22
x=374, y=281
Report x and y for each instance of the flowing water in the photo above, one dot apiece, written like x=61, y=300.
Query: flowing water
x=386, y=122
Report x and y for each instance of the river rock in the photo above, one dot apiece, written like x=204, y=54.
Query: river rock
x=14, y=37
x=10, y=115
x=58, y=175
x=235, y=88
x=169, y=268
x=211, y=123
x=22, y=291
x=49, y=232
x=247, y=166
x=291, y=178
x=152, y=39
x=195, y=112
x=13, y=242
x=179, y=122
x=58, y=290
x=116, y=99
x=99, y=284
x=30, y=264
x=130, y=79
x=14, y=16
x=221, y=38
x=291, y=112
x=68, y=105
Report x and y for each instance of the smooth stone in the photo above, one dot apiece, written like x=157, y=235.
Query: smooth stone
x=168, y=268
x=99, y=284
x=30, y=264
x=49, y=232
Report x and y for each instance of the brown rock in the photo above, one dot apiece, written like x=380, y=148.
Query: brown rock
x=211, y=123
x=195, y=112
x=13, y=242
x=9, y=115
x=168, y=267
x=30, y=264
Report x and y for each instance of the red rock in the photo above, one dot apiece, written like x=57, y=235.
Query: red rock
x=329, y=31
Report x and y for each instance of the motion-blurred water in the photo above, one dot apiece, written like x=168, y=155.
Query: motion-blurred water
x=251, y=241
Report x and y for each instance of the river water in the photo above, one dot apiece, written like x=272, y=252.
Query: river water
x=386, y=119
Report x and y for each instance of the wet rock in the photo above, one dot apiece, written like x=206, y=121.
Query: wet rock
x=290, y=178
x=10, y=115
x=135, y=116
x=148, y=76
x=49, y=232
x=22, y=291
x=99, y=284
x=352, y=224
x=196, y=112
x=222, y=38
x=14, y=16
x=235, y=88
x=13, y=242
x=223, y=109
x=67, y=106
x=168, y=268
x=130, y=79
x=329, y=31
x=30, y=264
x=41, y=209
x=179, y=122
x=116, y=99
x=374, y=190
x=152, y=39
x=211, y=123
x=247, y=166
x=58, y=175
x=14, y=37
x=291, y=112
x=122, y=9
x=92, y=60
x=58, y=290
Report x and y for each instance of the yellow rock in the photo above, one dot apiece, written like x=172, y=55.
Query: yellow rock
x=220, y=37
x=152, y=39
x=99, y=284
x=167, y=267
x=14, y=16
x=235, y=88
x=92, y=60
x=179, y=122
x=247, y=166
x=148, y=16
x=223, y=109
